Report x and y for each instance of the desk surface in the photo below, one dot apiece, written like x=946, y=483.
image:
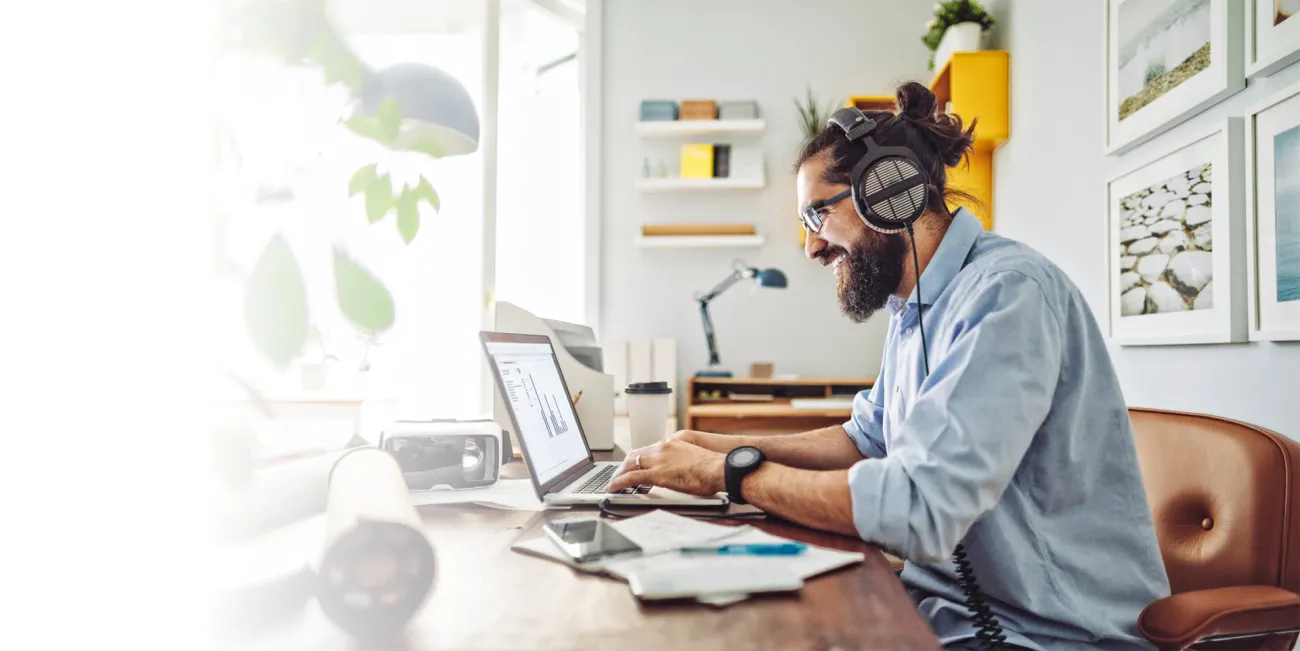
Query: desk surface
x=489, y=597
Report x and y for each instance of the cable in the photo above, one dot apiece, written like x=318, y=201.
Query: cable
x=987, y=628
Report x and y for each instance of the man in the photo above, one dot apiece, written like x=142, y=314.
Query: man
x=1016, y=444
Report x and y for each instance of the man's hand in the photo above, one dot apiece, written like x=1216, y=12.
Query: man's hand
x=674, y=464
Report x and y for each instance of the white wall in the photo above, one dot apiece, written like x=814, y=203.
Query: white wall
x=767, y=51
x=1049, y=184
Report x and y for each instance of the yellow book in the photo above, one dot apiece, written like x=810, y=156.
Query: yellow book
x=697, y=161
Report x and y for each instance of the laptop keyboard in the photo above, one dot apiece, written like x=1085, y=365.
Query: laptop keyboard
x=600, y=481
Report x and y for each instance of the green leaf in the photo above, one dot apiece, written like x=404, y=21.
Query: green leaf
x=425, y=191
x=390, y=121
x=429, y=147
x=408, y=215
x=361, y=180
x=275, y=304
x=379, y=198
x=363, y=299
x=364, y=126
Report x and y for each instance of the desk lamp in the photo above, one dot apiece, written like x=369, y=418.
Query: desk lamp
x=740, y=271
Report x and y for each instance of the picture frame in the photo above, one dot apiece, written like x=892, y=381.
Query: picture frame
x=1272, y=41
x=1155, y=76
x=1272, y=263
x=1175, y=242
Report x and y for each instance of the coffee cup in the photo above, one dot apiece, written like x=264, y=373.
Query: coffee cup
x=647, y=412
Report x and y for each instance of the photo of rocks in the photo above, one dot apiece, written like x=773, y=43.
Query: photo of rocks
x=1162, y=43
x=1165, y=256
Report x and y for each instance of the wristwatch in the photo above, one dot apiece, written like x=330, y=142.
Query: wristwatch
x=740, y=462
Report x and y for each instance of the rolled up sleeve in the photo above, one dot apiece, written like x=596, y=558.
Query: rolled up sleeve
x=970, y=423
x=866, y=425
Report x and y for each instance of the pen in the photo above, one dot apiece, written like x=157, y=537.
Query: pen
x=780, y=549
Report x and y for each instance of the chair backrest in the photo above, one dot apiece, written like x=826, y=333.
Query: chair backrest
x=1225, y=497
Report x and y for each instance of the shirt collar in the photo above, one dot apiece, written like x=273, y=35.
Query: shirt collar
x=947, y=261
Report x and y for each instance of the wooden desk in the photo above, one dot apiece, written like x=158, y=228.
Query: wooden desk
x=716, y=404
x=489, y=597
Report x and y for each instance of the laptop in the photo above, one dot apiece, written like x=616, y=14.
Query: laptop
x=550, y=436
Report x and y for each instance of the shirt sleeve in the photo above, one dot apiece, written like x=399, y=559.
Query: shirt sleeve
x=969, y=426
x=866, y=425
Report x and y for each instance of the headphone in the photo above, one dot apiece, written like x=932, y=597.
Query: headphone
x=889, y=183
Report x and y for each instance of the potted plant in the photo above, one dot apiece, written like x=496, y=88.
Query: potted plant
x=957, y=26
x=812, y=114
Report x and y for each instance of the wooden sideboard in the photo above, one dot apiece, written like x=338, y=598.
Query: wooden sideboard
x=736, y=405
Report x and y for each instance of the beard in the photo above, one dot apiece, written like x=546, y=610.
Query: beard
x=871, y=271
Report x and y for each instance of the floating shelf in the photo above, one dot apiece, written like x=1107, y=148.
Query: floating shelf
x=672, y=184
x=697, y=241
x=670, y=128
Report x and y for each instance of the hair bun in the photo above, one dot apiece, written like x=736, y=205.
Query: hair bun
x=916, y=102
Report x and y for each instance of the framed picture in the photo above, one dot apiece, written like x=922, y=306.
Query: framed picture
x=1167, y=60
x=1273, y=216
x=1272, y=35
x=1175, y=245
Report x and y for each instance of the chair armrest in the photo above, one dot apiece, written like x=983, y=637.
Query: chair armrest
x=1177, y=621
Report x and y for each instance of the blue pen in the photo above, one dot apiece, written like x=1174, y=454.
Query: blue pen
x=778, y=549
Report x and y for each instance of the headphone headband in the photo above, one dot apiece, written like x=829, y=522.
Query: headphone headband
x=853, y=121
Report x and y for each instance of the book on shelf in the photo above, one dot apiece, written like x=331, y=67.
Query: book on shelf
x=652, y=230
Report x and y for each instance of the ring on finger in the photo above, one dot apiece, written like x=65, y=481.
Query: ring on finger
x=638, y=462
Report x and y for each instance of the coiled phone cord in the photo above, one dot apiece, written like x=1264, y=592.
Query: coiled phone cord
x=987, y=628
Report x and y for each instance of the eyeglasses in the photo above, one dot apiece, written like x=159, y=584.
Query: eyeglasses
x=813, y=215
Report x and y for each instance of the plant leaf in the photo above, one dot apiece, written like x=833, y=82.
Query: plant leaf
x=429, y=147
x=379, y=198
x=362, y=298
x=389, y=116
x=361, y=180
x=424, y=190
x=275, y=304
x=364, y=126
x=408, y=215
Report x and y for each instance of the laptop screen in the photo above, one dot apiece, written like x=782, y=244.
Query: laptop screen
x=544, y=415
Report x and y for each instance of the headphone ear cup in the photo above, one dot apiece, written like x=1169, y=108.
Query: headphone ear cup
x=889, y=192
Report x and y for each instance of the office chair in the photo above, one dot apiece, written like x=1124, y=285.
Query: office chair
x=1225, y=497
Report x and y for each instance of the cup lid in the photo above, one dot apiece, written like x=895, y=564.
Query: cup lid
x=643, y=388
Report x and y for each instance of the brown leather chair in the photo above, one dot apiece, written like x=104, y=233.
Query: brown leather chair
x=1225, y=497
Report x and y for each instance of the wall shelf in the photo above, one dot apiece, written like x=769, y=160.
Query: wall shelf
x=673, y=184
x=671, y=128
x=698, y=241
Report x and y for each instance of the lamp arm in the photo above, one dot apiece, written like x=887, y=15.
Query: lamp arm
x=708, y=331
x=735, y=277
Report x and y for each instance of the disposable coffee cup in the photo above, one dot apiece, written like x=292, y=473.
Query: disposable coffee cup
x=647, y=412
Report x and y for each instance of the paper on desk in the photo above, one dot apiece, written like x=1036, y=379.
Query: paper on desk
x=660, y=531
x=814, y=560
x=517, y=494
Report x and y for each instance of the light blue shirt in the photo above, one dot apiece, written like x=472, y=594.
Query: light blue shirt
x=1017, y=444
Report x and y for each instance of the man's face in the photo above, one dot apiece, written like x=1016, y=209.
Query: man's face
x=868, y=265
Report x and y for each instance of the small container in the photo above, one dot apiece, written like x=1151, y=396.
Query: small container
x=699, y=109
x=658, y=110
x=738, y=110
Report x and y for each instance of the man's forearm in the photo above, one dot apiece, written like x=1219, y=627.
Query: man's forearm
x=814, y=498
x=828, y=448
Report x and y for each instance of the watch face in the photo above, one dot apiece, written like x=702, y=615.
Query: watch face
x=744, y=457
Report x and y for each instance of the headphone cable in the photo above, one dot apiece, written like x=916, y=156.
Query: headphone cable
x=987, y=628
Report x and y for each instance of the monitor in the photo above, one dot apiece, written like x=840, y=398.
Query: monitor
x=546, y=423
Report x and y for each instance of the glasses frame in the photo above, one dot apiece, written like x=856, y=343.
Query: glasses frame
x=813, y=216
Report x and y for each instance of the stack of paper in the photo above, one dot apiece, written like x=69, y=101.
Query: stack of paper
x=662, y=571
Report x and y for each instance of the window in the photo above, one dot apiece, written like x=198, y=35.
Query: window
x=295, y=161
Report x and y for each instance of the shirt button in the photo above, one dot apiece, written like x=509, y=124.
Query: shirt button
x=908, y=330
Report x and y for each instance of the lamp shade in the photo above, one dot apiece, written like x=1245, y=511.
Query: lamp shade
x=770, y=278
x=435, y=106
